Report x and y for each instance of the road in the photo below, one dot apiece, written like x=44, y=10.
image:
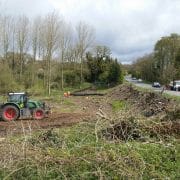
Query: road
x=149, y=86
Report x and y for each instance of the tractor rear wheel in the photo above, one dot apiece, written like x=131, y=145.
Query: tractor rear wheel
x=38, y=114
x=10, y=113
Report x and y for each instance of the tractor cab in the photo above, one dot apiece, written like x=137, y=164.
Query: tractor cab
x=19, y=98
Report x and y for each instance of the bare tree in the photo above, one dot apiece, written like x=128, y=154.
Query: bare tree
x=6, y=29
x=102, y=51
x=13, y=45
x=85, y=38
x=35, y=38
x=22, y=40
x=65, y=44
x=49, y=43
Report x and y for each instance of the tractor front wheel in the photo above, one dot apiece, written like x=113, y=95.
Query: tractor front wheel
x=38, y=114
x=10, y=113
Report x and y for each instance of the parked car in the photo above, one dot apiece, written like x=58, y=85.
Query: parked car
x=156, y=85
x=139, y=80
x=175, y=85
x=133, y=78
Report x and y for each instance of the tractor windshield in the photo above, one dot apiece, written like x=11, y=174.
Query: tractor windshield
x=15, y=98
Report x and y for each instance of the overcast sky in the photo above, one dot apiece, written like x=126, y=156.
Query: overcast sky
x=129, y=27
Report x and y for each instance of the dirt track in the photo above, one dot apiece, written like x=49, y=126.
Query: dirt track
x=26, y=126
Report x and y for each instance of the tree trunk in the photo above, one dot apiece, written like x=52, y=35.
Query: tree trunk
x=81, y=76
x=62, y=71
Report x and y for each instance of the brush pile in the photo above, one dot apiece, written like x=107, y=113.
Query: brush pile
x=149, y=103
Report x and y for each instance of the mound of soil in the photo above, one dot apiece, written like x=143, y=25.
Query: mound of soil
x=150, y=103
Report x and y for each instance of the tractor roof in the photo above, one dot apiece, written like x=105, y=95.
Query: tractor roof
x=18, y=93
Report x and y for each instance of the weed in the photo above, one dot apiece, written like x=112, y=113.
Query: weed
x=119, y=105
x=46, y=139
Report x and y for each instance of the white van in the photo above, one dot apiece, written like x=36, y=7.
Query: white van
x=175, y=85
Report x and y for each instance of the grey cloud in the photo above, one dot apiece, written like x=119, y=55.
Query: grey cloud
x=29, y=7
x=136, y=33
x=129, y=27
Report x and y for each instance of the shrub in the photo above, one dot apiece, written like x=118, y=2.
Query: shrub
x=72, y=78
x=7, y=82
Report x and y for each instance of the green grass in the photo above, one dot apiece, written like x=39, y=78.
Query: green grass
x=76, y=153
x=119, y=105
x=3, y=99
x=168, y=96
x=68, y=102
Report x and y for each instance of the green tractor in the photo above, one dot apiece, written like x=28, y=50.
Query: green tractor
x=18, y=106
